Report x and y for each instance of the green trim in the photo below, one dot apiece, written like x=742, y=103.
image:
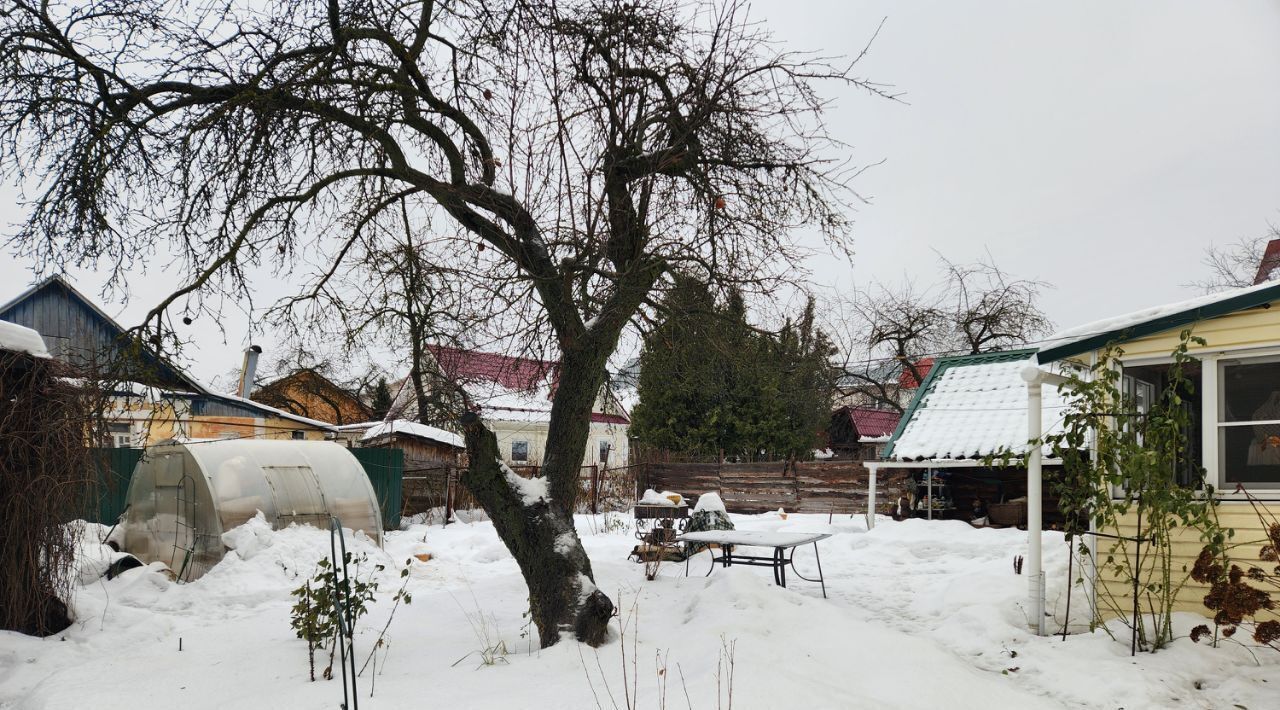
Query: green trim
x=942, y=365
x=1234, y=304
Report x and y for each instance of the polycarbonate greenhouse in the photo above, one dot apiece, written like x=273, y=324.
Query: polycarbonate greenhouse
x=183, y=497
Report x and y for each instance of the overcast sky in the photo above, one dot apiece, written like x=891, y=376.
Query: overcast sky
x=1098, y=146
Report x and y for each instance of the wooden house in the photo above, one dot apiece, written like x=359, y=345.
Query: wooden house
x=513, y=395
x=860, y=433
x=152, y=398
x=310, y=394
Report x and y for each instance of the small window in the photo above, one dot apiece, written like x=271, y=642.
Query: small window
x=519, y=451
x=1249, y=423
x=606, y=447
x=299, y=434
x=120, y=435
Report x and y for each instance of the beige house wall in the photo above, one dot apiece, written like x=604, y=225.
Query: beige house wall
x=535, y=433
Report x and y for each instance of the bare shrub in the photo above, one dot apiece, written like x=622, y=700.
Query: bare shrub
x=45, y=473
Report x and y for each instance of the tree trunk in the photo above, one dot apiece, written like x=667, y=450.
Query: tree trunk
x=540, y=535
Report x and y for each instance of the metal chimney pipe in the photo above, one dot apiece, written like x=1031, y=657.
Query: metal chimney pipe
x=250, y=365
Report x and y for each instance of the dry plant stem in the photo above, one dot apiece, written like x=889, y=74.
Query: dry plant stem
x=46, y=467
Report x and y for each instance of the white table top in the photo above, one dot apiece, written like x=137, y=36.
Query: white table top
x=757, y=538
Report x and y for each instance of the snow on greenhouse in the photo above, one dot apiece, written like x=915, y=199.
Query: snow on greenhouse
x=183, y=497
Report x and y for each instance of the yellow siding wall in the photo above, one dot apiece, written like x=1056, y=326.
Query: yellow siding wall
x=1247, y=541
x=1258, y=327
x=258, y=428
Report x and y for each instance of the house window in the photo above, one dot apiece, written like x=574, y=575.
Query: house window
x=519, y=451
x=120, y=435
x=1143, y=385
x=1249, y=422
x=606, y=447
x=299, y=435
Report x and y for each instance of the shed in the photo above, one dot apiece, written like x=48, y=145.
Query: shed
x=183, y=497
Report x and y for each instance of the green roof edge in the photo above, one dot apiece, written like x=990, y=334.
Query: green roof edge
x=941, y=365
x=1227, y=306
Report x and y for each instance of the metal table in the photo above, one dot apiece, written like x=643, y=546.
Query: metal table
x=784, y=550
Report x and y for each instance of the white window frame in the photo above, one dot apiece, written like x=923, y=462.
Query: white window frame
x=1216, y=395
x=1211, y=369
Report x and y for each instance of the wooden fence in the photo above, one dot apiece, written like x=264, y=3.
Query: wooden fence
x=433, y=488
x=798, y=487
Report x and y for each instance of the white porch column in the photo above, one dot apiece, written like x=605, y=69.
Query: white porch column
x=1034, y=567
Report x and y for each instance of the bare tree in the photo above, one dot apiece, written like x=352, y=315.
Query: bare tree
x=588, y=147
x=887, y=335
x=1237, y=264
x=991, y=310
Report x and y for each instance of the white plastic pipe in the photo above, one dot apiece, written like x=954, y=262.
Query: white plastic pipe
x=1035, y=503
x=1034, y=566
x=871, y=497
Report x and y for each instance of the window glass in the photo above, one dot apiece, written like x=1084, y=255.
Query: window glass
x=1249, y=422
x=605, y=447
x=120, y=435
x=1250, y=391
x=519, y=451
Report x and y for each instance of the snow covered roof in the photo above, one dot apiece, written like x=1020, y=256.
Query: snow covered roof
x=973, y=406
x=503, y=387
x=1156, y=319
x=20, y=339
x=410, y=428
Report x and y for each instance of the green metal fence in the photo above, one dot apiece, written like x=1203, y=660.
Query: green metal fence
x=107, y=499
x=385, y=468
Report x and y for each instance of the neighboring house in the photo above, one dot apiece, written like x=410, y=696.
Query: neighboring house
x=1235, y=403
x=423, y=446
x=886, y=384
x=969, y=408
x=310, y=394
x=860, y=432
x=513, y=396
x=153, y=399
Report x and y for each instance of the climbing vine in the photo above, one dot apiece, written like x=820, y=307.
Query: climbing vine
x=1119, y=475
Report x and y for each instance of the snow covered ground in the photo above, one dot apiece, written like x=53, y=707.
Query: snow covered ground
x=920, y=615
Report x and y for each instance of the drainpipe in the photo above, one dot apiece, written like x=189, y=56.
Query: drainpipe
x=247, y=370
x=871, y=493
x=1035, y=377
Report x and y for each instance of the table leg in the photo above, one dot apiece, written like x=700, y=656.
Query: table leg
x=822, y=580
x=781, y=565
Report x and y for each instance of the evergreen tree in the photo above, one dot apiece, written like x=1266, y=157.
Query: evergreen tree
x=380, y=402
x=710, y=383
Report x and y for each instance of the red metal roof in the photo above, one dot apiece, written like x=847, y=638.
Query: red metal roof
x=908, y=381
x=520, y=374
x=514, y=373
x=1270, y=264
x=874, y=422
